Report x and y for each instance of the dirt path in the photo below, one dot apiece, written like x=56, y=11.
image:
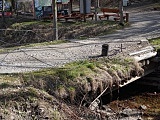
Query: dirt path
x=143, y=25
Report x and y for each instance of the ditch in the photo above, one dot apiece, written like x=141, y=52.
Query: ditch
x=133, y=96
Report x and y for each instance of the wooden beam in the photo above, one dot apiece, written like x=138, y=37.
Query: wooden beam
x=55, y=26
x=145, y=56
x=130, y=81
x=136, y=78
x=146, y=49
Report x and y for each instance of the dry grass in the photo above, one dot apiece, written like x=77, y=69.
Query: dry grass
x=83, y=77
x=41, y=31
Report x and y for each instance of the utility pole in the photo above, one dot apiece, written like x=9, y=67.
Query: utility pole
x=95, y=8
x=121, y=22
x=55, y=27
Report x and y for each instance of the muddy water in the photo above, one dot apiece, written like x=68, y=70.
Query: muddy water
x=135, y=95
x=129, y=91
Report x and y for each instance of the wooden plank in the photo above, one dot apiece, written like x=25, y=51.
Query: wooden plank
x=146, y=49
x=130, y=81
x=145, y=56
x=136, y=78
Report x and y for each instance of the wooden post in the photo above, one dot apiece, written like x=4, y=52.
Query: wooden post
x=127, y=17
x=55, y=27
x=121, y=22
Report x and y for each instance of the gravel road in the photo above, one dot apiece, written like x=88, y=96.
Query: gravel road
x=143, y=26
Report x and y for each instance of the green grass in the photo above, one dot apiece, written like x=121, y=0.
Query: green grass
x=72, y=79
x=8, y=78
x=155, y=42
x=156, y=5
x=68, y=72
x=88, y=23
x=26, y=24
x=78, y=69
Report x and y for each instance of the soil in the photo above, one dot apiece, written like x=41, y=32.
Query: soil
x=133, y=97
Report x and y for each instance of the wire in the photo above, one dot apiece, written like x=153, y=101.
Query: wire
x=37, y=59
x=44, y=62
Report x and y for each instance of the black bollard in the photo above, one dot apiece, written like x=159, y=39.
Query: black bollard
x=105, y=48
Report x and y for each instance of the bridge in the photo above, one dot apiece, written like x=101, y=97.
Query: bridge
x=150, y=61
x=151, y=66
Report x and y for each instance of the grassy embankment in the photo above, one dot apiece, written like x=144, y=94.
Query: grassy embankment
x=155, y=42
x=74, y=83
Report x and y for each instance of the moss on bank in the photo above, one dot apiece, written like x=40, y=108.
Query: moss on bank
x=155, y=42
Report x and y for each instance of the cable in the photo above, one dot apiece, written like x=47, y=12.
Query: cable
x=37, y=59
x=69, y=59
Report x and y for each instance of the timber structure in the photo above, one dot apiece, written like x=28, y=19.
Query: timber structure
x=148, y=57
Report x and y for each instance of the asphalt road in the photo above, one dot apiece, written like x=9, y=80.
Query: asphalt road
x=144, y=25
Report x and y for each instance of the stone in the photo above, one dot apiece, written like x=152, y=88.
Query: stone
x=126, y=112
x=94, y=105
x=143, y=107
x=130, y=112
x=106, y=108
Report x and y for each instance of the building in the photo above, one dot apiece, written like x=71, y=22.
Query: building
x=6, y=7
